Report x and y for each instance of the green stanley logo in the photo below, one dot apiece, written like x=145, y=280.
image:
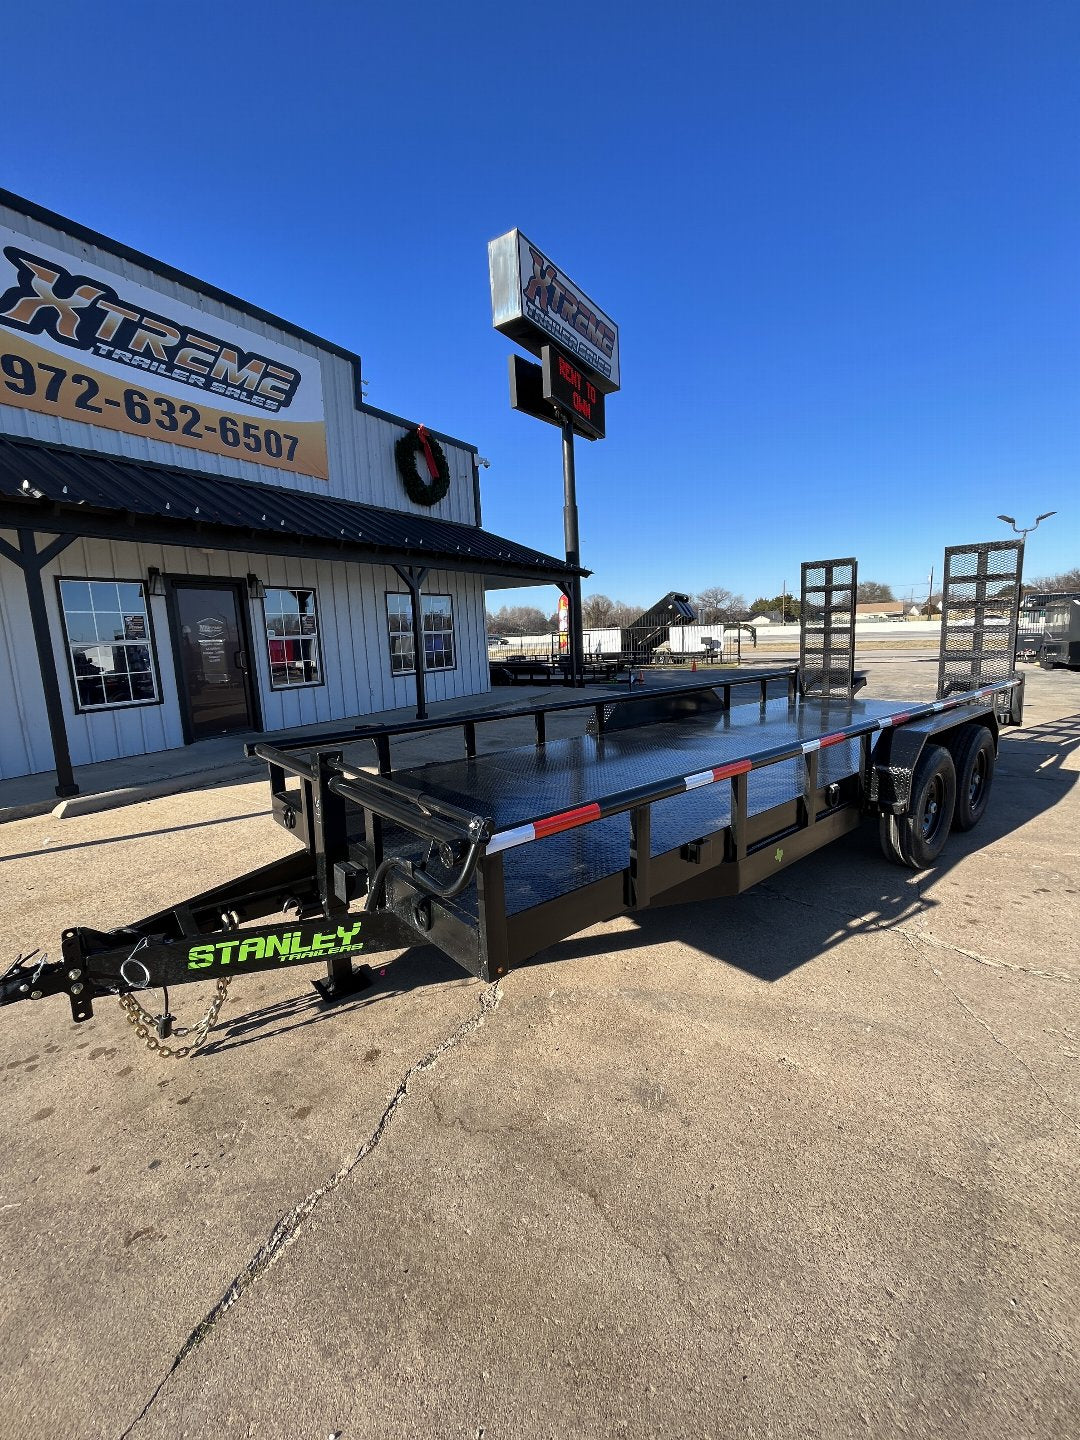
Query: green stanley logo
x=285, y=947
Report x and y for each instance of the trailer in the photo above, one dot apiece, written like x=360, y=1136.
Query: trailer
x=640, y=638
x=671, y=795
x=1060, y=643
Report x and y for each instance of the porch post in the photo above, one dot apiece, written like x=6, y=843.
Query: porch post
x=32, y=561
x=414, y=579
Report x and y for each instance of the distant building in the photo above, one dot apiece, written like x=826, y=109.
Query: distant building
x=880, y=609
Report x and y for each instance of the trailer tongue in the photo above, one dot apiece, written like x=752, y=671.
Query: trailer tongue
x=675, y=794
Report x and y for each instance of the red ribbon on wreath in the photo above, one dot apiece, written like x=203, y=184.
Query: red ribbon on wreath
x=433, y=469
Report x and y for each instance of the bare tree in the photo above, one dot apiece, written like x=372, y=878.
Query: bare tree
x=871, y=590
x=623, y=614
x=596, y=611
x=1067, y=580
x=519, y=620
x=599, y=612
x=718, y=606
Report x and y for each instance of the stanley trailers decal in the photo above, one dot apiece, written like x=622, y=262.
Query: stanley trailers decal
x=287, y=946
x=536, y=303
x=85, y=345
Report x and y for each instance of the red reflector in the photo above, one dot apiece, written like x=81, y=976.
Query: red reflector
x=568, y=820
x=737, y=767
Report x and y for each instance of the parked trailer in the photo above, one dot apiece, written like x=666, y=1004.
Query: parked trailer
x=1061, y=633
x=672, y=795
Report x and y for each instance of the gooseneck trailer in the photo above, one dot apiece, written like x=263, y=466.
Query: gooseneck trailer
x=672, y=794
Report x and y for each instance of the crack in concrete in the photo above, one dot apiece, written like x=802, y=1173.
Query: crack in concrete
x=932, y=940
x=914, y=937
x=288, y=1227
x=867, y=924
x=997, y=1040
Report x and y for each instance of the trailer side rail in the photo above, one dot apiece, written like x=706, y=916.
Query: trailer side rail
x=615, y=804
x=467, y=721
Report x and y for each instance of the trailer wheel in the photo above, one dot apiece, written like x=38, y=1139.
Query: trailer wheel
x=973, y=755
x=918, y=838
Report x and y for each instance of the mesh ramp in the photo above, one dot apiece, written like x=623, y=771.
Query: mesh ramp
x=827, y=626
x=980, y=605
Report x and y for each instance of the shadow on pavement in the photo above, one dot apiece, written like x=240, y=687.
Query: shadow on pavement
x=134, y=835
x=414, y=970
x=849, y=888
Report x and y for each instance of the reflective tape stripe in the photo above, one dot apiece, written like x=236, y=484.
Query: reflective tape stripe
x=828, y=740
x=507, y=839
x=568, y=820
x=702, y=777
x=809, y=746
x=737, y=767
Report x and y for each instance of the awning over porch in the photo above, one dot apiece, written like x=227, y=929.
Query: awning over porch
x=63, y=491
x=57, y=491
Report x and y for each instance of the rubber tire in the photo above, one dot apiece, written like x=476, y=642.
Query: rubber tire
x=913, y=839
x=1045, y=663
x=972, y=749
x=887, y=839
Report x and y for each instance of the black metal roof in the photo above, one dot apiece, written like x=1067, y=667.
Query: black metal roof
x=57, y=489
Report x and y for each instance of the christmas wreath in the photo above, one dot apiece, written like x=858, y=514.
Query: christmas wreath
x=408, y=450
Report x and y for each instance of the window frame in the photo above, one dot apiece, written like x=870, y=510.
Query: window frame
x=69, y=645
x=303, y=684
x=428, y=669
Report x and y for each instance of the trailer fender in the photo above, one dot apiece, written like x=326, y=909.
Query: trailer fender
x=898, y=751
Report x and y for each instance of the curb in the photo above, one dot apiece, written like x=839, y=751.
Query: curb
x=132, y=794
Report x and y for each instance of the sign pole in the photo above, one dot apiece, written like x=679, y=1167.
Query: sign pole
x=539, y=307
x=573, y=550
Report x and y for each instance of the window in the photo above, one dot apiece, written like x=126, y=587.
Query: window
x=107, y=626
x=292, y=638
x=438, y=616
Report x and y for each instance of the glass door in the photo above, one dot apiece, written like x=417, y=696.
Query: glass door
x=213, y=659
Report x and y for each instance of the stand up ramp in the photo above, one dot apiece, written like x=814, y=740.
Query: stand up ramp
x=980, y=606
x=827, y=627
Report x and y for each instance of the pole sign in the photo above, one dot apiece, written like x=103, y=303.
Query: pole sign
x=535, y=303
x=87, y=346
x=571, y=389
x=527, y=395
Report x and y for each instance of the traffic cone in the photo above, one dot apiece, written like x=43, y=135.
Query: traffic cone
x=693, y=668
x=641, y=677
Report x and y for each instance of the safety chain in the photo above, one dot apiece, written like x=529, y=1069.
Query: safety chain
x=146, y=1025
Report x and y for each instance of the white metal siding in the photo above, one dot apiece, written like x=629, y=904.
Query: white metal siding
x=24, y=725
x=360, y=446
x=352, y=629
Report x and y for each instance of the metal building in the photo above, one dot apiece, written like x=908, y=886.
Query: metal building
x=204, y=528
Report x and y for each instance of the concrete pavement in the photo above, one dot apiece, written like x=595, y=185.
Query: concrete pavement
x=801, y=1163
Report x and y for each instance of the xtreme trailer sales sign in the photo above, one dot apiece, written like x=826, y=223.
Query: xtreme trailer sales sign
x=83, y=344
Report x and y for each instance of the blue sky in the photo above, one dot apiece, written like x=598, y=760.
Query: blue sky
x=841, y=239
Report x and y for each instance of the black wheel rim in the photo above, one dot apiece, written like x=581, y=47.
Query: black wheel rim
x=933, y=808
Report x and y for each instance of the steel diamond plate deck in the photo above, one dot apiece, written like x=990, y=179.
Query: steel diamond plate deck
x=520, y=785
